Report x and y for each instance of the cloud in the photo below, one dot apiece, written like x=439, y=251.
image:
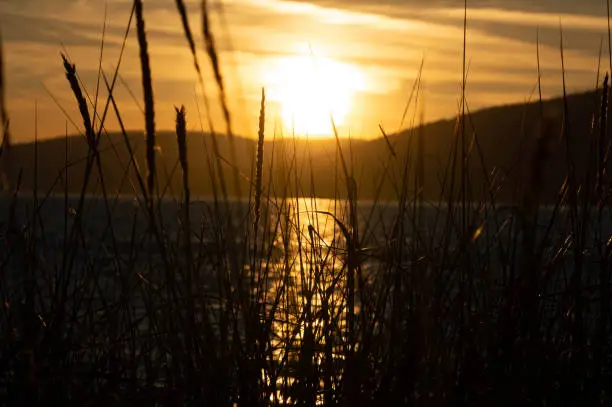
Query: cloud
x=527, y=18
x=395, y=7
x=384, y=40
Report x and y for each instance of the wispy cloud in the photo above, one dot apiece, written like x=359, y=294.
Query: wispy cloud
x=385, y=41
x=527, y=18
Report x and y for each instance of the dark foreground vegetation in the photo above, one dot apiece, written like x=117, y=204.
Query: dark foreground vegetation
x=275, y=300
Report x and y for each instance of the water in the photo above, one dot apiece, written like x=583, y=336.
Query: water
x=290, y=283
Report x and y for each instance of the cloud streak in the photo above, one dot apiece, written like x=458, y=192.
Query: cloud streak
x=385, y=41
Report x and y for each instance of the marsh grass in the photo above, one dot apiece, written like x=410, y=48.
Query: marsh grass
x=280, y=300
x=4, y=121
x=147, y=87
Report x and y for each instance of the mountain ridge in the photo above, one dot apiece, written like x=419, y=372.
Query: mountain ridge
x=502, y=139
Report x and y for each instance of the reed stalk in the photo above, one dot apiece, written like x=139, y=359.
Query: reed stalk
x=147, y=86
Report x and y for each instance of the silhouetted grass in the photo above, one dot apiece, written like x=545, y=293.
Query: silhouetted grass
x=4, y=119
x=147, y=87
x=278, y=300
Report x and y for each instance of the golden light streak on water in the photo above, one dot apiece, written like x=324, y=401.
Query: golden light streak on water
x=309, y=289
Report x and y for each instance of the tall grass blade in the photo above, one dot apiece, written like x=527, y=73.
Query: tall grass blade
x=181, y=138
x=182, y=10
x=82, y=103
x=99, y=76
x=384, y=133
x=213, y=56
x=411, y=97
x=5, y=145
x=539, y=75
x=602, y=139
x=609, y=34
x=147, y=85
x=211, y=50
x=259, y=163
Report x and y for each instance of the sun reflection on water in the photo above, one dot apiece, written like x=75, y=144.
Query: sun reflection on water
x=309, y=291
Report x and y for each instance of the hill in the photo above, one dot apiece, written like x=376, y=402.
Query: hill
x=501, y=144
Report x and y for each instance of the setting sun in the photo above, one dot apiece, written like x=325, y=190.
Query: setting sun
x=309, y=89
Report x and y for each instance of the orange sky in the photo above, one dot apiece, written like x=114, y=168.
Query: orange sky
x=354, y=59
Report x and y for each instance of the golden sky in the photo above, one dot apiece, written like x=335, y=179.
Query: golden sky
x=355, y=59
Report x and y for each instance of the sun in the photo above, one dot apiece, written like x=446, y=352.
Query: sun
x=311, y=90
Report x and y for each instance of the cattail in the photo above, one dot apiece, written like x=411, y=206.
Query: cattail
x=148, y=96
x=78, y=94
